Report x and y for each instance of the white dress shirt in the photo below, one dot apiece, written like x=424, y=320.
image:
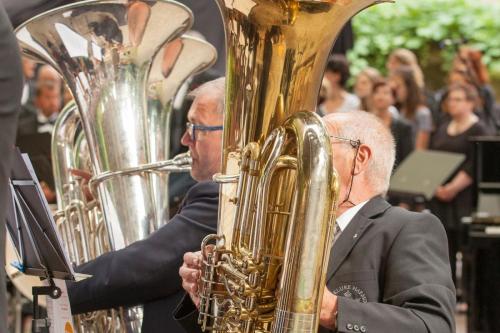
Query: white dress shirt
x=346, y=217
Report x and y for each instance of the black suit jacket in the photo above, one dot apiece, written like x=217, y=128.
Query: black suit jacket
x=11, y=85
x=147, y=271
x=391, y=271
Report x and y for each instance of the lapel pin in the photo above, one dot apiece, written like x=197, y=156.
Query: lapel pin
x=355, y=236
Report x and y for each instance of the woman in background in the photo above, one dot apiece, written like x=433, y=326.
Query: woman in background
x=382, y=103
x=411, y=106
x=469, y=64
x=363, y=86
x=337, y=98
x=404, y=57
x=454, y=199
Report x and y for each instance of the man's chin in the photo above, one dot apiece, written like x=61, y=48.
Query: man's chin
x=195, y=174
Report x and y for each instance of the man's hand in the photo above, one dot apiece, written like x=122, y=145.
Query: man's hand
x=84, y=182
x=47, y=192
x=190, y=273
x=327, y=317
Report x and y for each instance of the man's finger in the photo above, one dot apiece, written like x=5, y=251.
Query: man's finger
x=192, y=259
x=81, y=173
x=189, y=274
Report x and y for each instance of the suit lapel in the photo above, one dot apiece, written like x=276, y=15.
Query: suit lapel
x=354, y=231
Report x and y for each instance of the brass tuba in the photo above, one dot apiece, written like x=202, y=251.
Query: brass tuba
x=266, y=272
x=124, y=62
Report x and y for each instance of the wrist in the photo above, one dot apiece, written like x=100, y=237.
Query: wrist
x=451, y=189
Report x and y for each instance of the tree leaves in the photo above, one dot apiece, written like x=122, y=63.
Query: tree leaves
x=420, y=26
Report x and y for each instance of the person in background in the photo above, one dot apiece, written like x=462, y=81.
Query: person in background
x=454, y=199
x=29, y=83
x=48, y=104
x=48, y=75
x=468, y=64
x=404, y=57
x=34, y=133
x=337, y=99
x=411, y=106
x=382, y=100
x=363, y=87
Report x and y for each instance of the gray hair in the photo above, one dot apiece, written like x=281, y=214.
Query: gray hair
x=363, y=126
x=216, y=89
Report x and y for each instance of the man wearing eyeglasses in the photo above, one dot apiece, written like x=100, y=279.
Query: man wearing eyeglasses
x=389, y=269
x=146, y=272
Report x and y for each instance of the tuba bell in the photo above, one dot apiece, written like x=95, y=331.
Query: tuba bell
x=266, y=269
x=124, y=62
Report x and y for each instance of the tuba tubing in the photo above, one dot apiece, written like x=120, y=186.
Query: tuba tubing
x=278, y=192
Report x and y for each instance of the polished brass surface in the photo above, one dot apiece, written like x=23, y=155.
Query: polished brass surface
x=278, y=186
x=124, y=62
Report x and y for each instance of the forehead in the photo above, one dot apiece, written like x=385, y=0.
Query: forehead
x=332, y=124
x=49, y=92
x=204, y=107
x=382, y=88
x=363, y=77
x=457, y=92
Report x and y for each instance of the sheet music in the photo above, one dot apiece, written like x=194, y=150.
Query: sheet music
x=32, y=226
x=59, y=311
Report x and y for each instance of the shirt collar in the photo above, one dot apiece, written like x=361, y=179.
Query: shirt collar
x=42, y=119
x=346, y=217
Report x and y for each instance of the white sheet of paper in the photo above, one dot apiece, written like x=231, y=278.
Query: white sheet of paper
x=59, y=311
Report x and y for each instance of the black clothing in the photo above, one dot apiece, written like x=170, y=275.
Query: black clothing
x=147, y=271
x=451, y=213
x=402, y=132
x=345, y=40
x=11, y=85
x=390, y=269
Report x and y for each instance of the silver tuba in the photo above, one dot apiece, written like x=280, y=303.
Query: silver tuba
x=107, y=52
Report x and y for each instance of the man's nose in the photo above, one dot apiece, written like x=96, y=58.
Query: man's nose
x=186, y=139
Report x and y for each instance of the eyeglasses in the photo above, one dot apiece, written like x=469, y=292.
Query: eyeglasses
x=354, y=143
x=192, y=128
x=456, y=100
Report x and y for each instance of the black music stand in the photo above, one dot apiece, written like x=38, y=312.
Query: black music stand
x=34, y=235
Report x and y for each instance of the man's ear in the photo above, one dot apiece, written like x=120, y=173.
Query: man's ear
x=363, y=159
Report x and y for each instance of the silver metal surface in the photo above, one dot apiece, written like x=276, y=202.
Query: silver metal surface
x=173, y=65
x=104, y=50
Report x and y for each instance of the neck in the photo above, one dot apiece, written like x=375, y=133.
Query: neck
x=337, y=93
x=384, y=115
x=354, y=198
x=462, y=118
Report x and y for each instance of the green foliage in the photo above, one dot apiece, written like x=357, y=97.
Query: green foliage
x=420, y=26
